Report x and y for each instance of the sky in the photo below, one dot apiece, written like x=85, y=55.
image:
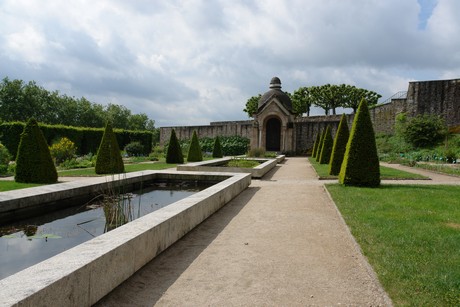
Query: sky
x=191, y=62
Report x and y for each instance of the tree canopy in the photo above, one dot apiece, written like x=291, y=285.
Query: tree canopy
x=252, y=105
x=20, y=101
x=329, y=97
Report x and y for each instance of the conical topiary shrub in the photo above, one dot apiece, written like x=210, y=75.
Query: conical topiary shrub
x=320, y=145
x=109, y=160
x=217, y=149
x=326, y=149
x=338, y=149
x=194, y=151
x=360, y=166
x=315, y=145
x=174, y=153
x=33, y=162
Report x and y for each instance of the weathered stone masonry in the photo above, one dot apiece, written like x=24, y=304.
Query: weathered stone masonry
x=441, y=97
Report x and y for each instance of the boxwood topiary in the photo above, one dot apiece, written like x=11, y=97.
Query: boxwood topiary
x=194, y=151
x=338, y=149
x=33, y=162
x=326, y=149
x=360, y=166
x=174, y=153
x=320, y=145
x=109, y=159
x=217, y=149
x=315, y=145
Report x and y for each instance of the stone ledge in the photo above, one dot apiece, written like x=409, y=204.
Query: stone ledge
x=84, y=274
x=213, y=166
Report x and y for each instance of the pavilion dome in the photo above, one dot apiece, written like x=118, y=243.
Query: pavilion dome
x=275, y=92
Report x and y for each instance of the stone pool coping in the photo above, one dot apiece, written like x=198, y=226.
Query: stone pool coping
x=213, y=166
x=84, y=274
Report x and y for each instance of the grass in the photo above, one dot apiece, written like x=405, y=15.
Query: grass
x=385, y=172
x=243, y=163
x=134, y=167
x=7, y=185
x=445, y=169
x=411, y=236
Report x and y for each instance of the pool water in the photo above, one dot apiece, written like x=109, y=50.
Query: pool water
x=28, y=242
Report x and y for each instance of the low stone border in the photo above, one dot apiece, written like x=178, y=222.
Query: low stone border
x=213, y=166
x=84, y=274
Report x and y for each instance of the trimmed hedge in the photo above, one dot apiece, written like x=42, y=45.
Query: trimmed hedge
x=217, y=149
x=194, y=151
x=360, y=165
x=338, y=149
x=315, y=145
x=174, y=153
x=86, y=140
x=320, y=145
x=108, y=160
x=326, y=149
x=34, y=163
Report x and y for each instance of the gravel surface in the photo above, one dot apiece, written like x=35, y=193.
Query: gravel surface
x=281, y=242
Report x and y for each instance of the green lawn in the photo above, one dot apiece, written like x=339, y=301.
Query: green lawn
x=411, y=236
x=6, y=185
x=385, y=172
x=128, y=169
x=81, y=172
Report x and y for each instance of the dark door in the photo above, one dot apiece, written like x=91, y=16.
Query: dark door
x=273, y=135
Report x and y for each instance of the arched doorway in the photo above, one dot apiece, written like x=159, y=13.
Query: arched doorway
x=273, y=135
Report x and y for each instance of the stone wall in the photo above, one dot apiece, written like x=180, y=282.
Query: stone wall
x=308, y=127
x=242, y=128
x=384, y=116
x=436, y=97
x=423, y=97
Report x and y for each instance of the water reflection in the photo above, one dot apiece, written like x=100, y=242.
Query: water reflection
x=28, y=242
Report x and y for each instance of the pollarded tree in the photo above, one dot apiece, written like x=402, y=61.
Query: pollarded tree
x=33, y=162
x=194, y=151
x=301, y=101
x=217, y=149
x=320, y=145
x=340, y=144
x=360, y=166
x=109, y=160
x=315, y=145
x=326, y=149
x=174, y=153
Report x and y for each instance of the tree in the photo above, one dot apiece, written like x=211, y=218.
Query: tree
x=326, y=147
x=319, y=99
x=339, y=146
x=252, y=104
x=301, y=101
x=194, y=151
x=360, y=166
x=33, y=162
x=354, y=95
x=109, y=160
x=20, y=101
x=217, y=149
x=174, y=153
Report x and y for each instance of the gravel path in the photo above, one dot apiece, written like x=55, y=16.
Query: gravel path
x=281, y=242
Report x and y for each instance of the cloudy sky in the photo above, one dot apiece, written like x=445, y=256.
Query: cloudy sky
x=189, y=62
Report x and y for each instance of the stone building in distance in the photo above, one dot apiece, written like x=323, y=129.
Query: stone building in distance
x=276, y=128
